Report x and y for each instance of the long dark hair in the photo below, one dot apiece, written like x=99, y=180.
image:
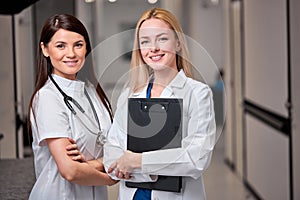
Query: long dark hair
x=44, y=67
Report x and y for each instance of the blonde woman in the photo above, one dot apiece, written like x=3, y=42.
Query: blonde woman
x=160, y=65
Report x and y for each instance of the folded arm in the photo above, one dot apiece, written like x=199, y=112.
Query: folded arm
x=74, y=152
x=81, y=173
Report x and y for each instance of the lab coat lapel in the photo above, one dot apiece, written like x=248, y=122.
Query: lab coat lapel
x=175, y=85
x=174, y=89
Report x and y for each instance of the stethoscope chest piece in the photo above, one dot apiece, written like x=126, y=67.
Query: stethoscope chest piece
x=101, y=139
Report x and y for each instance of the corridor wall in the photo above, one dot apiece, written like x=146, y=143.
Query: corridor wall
x=265, y=98
x=270, y=108
x=7, y=111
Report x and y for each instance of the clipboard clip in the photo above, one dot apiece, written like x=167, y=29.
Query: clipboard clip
x=155, y=107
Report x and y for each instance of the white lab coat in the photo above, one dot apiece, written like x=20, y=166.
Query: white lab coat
x=54, y=120
x=189, y=161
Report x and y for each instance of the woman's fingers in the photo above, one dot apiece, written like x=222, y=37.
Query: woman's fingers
x=121, y=174
x=112, y=167
x=73, y=152
x=79, y=158
x=71, y=147
x=72, y=141
x=127, y=175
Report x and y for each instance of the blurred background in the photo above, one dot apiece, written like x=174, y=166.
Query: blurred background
x=246, y=50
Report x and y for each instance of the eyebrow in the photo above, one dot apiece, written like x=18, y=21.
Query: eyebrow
x=145, y=37
x=66, y=42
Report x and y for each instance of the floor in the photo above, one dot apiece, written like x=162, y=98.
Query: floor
x=220, y=182
x=17, y=178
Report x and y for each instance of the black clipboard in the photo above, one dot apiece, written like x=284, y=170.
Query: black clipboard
x=153, y=124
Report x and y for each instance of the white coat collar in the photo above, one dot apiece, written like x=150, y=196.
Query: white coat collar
x=68, y=85
x=178, y=82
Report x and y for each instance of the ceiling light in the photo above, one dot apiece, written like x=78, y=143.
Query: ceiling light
x=215, y=2
x=152, y=1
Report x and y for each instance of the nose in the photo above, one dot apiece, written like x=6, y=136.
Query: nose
x=70, y=53
x=154, y=47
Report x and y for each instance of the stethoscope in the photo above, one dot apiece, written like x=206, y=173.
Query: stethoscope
x=101, y=138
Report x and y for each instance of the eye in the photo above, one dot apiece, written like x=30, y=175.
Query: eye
x=163, y=39
x=60, y=46
x=79, y=45
x=144, y=42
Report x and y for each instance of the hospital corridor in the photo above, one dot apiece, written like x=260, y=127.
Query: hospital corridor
x=246, y=51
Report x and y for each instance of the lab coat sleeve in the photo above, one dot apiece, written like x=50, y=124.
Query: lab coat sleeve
x=116, y=142
x=199, y=139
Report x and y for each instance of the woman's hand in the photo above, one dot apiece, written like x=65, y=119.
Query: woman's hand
x=74, y=153
x=125, y=164
x=97, y=164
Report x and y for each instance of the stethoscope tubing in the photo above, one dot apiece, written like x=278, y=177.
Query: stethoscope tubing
x=67, y=99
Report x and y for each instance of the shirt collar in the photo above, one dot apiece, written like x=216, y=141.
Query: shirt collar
x=68, y=85
x=178, y=82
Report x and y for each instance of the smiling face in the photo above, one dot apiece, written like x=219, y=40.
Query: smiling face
x=158, y=44
x=67, y=52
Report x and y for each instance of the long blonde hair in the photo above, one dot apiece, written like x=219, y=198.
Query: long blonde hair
x=139, y=70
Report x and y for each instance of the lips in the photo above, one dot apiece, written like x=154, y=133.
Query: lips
x=156, y=57
x=71, y=63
